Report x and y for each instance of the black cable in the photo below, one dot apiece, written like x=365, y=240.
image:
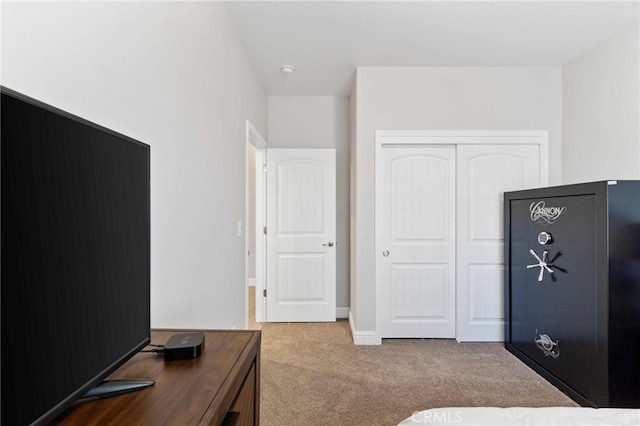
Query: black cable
x=157, y=351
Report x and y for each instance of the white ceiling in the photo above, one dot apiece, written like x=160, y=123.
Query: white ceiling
x=326, y=40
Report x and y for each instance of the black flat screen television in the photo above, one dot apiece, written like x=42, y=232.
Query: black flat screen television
x=75, y=252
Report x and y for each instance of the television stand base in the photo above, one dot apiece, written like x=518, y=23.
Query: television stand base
x=109, y=388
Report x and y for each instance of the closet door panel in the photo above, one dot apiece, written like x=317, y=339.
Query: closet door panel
x=416, y=296
x=484, y=173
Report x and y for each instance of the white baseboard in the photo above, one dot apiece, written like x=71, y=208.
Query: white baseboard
x=363, y=337
x=252, y=282
x=342, y=312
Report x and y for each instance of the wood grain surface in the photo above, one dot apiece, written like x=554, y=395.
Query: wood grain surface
x=186, y=392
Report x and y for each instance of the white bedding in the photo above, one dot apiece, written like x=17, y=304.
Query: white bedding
x=518, y=416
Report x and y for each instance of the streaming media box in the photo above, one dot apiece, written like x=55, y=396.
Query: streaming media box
x=184, y=346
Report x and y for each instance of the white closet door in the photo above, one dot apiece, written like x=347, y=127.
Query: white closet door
x=301, y=232
x=485, y=172
x=416, y=288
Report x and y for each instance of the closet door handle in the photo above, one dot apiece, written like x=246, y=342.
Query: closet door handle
x=385, y=253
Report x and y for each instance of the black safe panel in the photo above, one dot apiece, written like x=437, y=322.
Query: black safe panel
x=572, y=288
x=554, y=292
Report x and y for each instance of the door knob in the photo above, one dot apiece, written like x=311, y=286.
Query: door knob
x=385, y=253
x=330, y=244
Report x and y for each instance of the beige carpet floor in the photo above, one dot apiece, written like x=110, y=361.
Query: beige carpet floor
x=313, y=374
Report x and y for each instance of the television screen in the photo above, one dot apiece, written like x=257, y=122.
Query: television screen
x=75, y=256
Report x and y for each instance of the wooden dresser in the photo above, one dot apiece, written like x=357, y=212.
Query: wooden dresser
x=220, y=387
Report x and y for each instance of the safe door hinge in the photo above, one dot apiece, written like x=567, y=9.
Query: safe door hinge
x=264, y=293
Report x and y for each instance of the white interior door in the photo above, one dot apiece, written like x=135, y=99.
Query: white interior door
x=416, y=263
x=484, y=173
x=301, y=231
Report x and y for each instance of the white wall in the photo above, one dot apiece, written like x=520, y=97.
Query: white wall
x=601, y=114
x=176, y=76
x=438, y=98
x=320, y=122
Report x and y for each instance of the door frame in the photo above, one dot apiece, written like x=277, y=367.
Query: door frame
x=253, y=137
x=445, y=137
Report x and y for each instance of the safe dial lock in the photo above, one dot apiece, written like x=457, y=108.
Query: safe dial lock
x=544, y=238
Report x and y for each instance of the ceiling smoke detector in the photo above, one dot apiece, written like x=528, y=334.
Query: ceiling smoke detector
x=287, y=69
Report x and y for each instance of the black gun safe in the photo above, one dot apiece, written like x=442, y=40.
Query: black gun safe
x=572, y=288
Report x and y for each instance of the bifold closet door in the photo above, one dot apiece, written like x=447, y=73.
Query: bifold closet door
x=416, y=262
x=485, y=172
